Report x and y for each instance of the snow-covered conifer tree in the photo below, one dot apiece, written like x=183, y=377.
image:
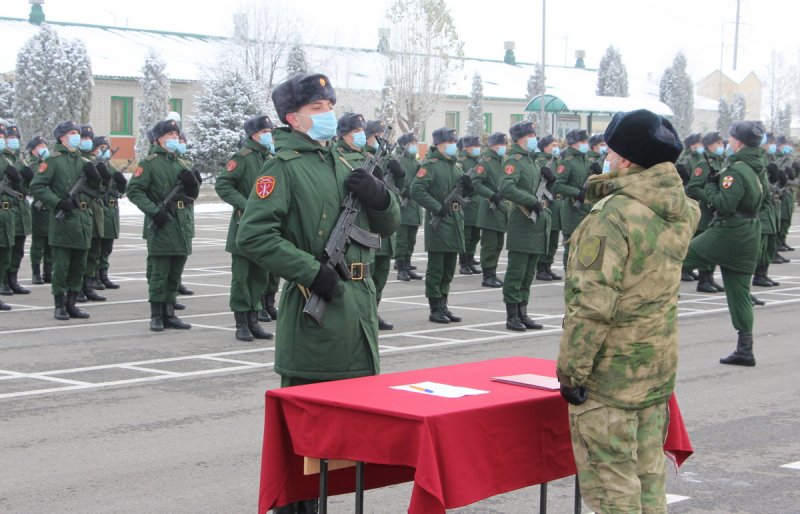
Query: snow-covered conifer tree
x=153, y=105
x=612, y=76
x=677, y=91
x=738, y=107
x=388, y=107
x=475, y=109
x=80, y=83
x=784, y=126
x=724, y=120
x=296, y=61
x=536, y=88
x=6, y=101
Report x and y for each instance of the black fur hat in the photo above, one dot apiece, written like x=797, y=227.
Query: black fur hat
x=692, y=139
x=748, y=132
x=64, y=127
x=643, y=137
x=406, y=138
x=375, y=128
x=256, y=123
x=33, y=143
x=100, y=140
x=87, y=131
x=301, y=90
x=711, y=138
x=163, y=127
x=349, y=122
x=444, y=135
x=547, y=141
x=577, y=135
x=468, y=141
x=596, y=139
x=12, y=131
x=497, y=138
x=521, y=129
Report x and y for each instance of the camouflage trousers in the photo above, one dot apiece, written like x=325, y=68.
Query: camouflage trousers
x=620, y=457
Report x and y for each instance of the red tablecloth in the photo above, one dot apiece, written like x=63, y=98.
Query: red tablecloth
x=457, y=451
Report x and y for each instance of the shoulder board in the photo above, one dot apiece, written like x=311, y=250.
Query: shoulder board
x=288, y=155
x=55, y=153
x=244, y=152
x=350, y=156
x=151, y=157
x=517, y=156
x=598, y=206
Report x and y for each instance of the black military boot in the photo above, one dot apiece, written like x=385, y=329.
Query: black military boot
x=14, y=285
x=36, y=274
x=171, y=320
x=490, y=278
x=512, y=318
x=743, y=355
x=541, y=272
x=5, y=306
x=474, y=266
x=755, y=301
x=156, y=316
x=550, y=272
x=89, y=292
x=96, y=284
x=179, y=306
x=522, y=308
x=72, y=310
x=716, y=286
x=81, y=297
x=270, y=307
x=255, y=328
x=382, y=323
x=105, y=281
x=452, y=317
x=410, y=266
x=185, y=291
x=4, y=289
x=686, y=276
x=437, y=311
x=464, y=268
x=402, y=272
x=704, y=283
x=60, y=311
x=760, y=277
x=766, y=276
x=242, y=328
x=47, y=273
x=263, y=315
x=410, y=270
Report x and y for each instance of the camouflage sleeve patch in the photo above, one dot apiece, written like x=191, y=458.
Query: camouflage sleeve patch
x=591, y=251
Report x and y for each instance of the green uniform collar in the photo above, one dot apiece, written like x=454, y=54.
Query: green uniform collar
x=517, y=149
x=434, y=153
x=256, y=147
x=753, y=157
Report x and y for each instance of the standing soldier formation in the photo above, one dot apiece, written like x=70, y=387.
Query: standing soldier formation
x=492, y=210
x=547, y=160
x=13, y=157
x=41, y=255
x=469, y=151
x=410, y=212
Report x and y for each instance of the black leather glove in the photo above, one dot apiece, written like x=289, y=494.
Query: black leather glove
x=683, y=173
x=27, y=173
x=444, y=212
x=161, y=218
x=406, y=193
x=396, y=169
x=772, y=171
x=595, y=168
x=536, y=207
x=13, y=176
x=790, y=172
x=188, y=179
x=783, y=179
x=712, y=178
x=102, y=170
x=325, y=283
x=574, y=395
x=66, y=205
x=198, y=177
x=581, y=196
x=119, y=178
x=496, y=199
x=378, y=173
x=90, y=170
x=547, y=173
x=466, y=182
x=371, y=191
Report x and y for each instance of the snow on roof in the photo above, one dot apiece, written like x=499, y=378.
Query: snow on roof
x=703, y=103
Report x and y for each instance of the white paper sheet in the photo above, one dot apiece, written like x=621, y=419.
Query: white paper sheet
x=436, y=389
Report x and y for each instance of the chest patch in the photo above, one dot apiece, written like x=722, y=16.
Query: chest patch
x=138, y=171
x=479, y=169
x=231, y=165
x=422, y=172
x=265, y=186
x=43, y=167
x=727, y=182
x=698, y=172
x=509, y=169
x=590, y=253
x=561, y=169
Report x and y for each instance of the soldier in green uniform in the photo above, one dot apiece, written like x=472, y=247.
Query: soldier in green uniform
x=437, y=177
x=492, y=210
x=597, y=149
x=528, y=238
x=248, y=279
x=784, y=163
x=71, y=218
x=168, y=231
x=410, y=211
x=41, y=256
x=181, y=154
x=572, y=175
x=732, y=239
x=113, y=188
x=90, y=282
x=617, y=360
x=547, y=160
x=10, y=178
x=469, y=151
x=769, y=214
x=11, y=156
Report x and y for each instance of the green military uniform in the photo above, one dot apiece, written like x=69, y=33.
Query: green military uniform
x=546, y=260
x=527, y=239
x=287, y=220
x=40, y=251
x=472, y=233
x=8, y=205
x=410, y=212
x=383, y=256
x=113, y=189
x=769, y=216
x=627, y=253
x=22, y=225
x=784, y=163
x=571, y=176
x=698, y=168
x=492, y=212
x=98, y=230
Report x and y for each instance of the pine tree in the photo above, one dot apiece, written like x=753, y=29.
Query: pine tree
x=677, y=91
x=296, y=62
x=6, y=101
x=785, y=125
x=388, y=108
x=612, y=76
x=227, y=101
x=738, y=108
x=80, y=83
x=724, y=120
x=475, y=109
x=153, y=105
x=535, y=88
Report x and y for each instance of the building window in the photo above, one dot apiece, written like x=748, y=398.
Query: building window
x=121, y=116
x=516, y=118
x=487, y=122
x=176, y=105
x=452, y=119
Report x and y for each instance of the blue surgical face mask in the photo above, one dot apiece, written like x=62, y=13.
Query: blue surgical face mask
x=700, y=150
x=74, y=140
x=603, y=150
x=171, y=144
x=181, y=148
x=729, y=150
x=44, y=153
x=501, y=151
x=2, y=144
x=772, y=148
x=359, y=139
x=583, y=147
x=105, y=154
x=606, y=166
x=412, y=150
x=786, y=149
x=719, y=150
x=265, y=139
x=451, y=149
x=476, y=152
x=323, y=126
x=556, y=151
x=13, y=143
x=86, y=145
x=533, y=144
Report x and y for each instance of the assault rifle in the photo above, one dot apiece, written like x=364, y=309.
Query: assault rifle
x=542, y=193
x=169, y=202
x=112, y=192
x=454, y=197
x=6, y=189
x=78, y=187
x=345, y=232
x=585, y=188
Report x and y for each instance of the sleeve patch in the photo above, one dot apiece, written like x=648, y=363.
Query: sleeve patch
x=231, y=165
x=422, y=172
x=509, y=169
x=698, y=172
x=727, y=182
x=561, y=169
x=265, y=186
x=590, y=253
x=43, y=167
x=138, y=171
x=479, y=169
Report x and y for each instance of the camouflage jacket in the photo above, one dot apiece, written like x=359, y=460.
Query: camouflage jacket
x=620, y=335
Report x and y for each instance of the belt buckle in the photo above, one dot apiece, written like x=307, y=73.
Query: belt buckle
x=112, y=202
x=83, y=206
x=20, y=196
x=456, y=206
x=180, y=204
x=357, y=271
x=6, y=206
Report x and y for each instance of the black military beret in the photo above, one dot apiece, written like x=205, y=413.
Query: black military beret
x=64, y=127
x=256, y=123
x=301, y=90
x=770, y=138
x=521, y=129
x=643, y=137
x=375, y=128
x=711, y=138
x=781, y=140
x=748, y=132
x=36, y=141
x=12, y=131
x=468, y=141
x=100, y=140
x=596, y=139
x=163, y=127
x=497, y=138
x=406, y=138
x=444, y=135
x=692, y=139
x=577, y=135
x=349, y=122
x=87, y=131
x=547, y=141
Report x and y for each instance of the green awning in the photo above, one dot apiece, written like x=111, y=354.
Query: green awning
x=551, y=104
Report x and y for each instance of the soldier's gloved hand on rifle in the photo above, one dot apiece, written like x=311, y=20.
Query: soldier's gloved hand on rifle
x=189, y=183
x=90, y=170
x=65, y=205
x=575, y=395
x=547, y=173
x=783, y=179
x=536, y=207
x=406, y=193
x=581, y=196
x=27, y=173
x=444, y=212
x=160, y=219
x=396, y=169
x=378, y=173
x=712, y=177
x=326, y=283
x=102, y=170
x=596, y=168
x=683, y=173
x=13, y=176
x=119, y=178
x=496, y=199
x=772, y=171
x=370, y=191
x=466, y=182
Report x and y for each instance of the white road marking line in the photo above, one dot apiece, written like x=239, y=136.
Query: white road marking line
x=671, y=498
x=45, y=376
x=149, y=370
x=233, y=361
x=792, y=465
x=213, y=327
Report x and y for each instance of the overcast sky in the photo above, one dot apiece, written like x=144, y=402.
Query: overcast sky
x=648, y=33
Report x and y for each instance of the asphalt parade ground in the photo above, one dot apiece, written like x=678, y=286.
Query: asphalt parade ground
x=103, y=415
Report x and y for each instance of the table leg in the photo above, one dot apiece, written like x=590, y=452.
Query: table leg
x=577, y=496
x=543, y=498
x=323, y=486
x=359, y=488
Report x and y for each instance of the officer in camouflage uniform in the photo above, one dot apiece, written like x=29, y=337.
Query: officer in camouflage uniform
x=469, y=151
x=438, y=175
x=492, y=210
x=410, y=212
x=113, y=188
x=617, y=362
x=527, y=239
x=168, y=231
x=10, y=178
x=733, y=238
x=71, y=236
x=40, y=221
x=11, y=156
x=248, y=279
x=571, y=179
x=547, y=160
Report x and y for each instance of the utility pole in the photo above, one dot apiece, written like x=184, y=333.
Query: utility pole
x=736, y=37
x=544, y=76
